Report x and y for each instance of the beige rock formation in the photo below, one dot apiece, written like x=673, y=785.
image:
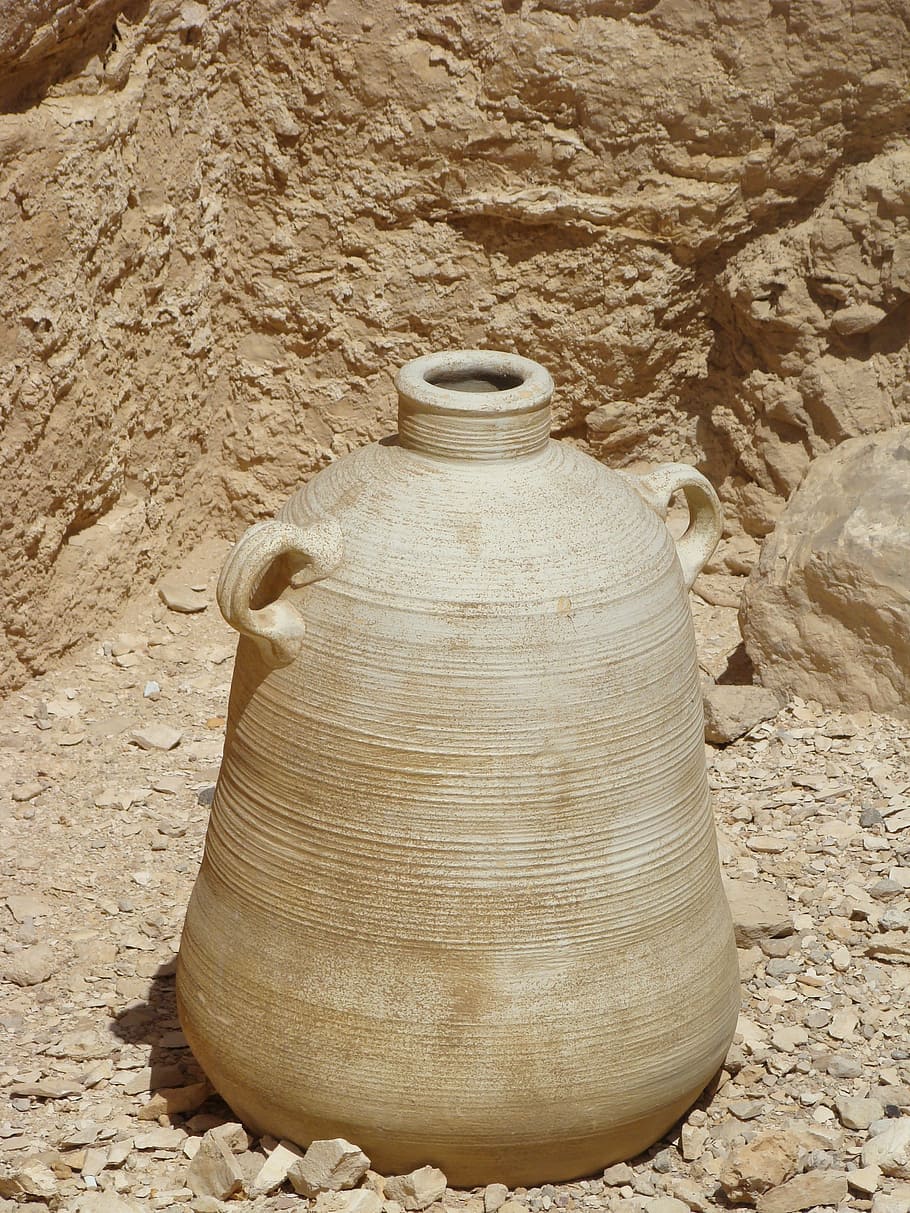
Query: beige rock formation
x=826, y=612
x=224, y=222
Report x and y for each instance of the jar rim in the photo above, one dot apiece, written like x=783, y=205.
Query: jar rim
x=516, y=384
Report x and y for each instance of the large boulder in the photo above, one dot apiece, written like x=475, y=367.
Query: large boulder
x=826, y=611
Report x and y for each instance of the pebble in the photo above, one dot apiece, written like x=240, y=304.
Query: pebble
x=839, y=1066
x=418, y=1189
x=156, y=737
x=618, y=1175
x=759, y=910
x=494, y=1197
x=328, y=1166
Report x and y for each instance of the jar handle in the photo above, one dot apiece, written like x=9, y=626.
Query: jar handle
x=706, y=519
x=277, y=628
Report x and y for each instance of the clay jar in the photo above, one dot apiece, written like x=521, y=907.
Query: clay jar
x=460, y=901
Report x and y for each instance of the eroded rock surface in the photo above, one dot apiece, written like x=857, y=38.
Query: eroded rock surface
x=226, y=225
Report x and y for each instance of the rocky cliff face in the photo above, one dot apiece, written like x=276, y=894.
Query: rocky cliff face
x=226, y=225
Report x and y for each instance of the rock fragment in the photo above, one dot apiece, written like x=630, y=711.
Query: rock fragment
x=731, y=711
x=182, y=598
x=805, y=1192
x=494, y=1197
x=274, y=1171
x=760, y=911
x=31, y=966
x=328, y=1166
x=766, y=1162
x=156, y=737
x=214, y=1171
x=858, y=1113
x=175, y=1101
x=363, y=1200
x=890, y=1150
x=417, y=1190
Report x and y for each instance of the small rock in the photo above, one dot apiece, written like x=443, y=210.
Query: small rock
x=151, y=690
x=890, y=1150
x=177, y=596
x=805, y=1192
x=858, y=1113
x=896, y=1201
x=618, y=1175
x=328, y=1166
x=759, y=911
x=31, y=966
x=27, y=791
x=692, y=1142
x=765, y=1163
x=274, y=1171
x=214, y=1171
x=106, y=1202
x=788, y=1038
x=419, y=1189
x=858, y=318
x=664, y=1204
x=844, y=1067
x=175, y=1101
x=156, y=737
x=494, y=1197
x=232, y=1134
x=731, y=711
x=363, y=1200
x=864, y=1180
x=34, y=1179
x=25, y=905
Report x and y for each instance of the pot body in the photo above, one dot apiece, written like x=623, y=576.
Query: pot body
x=460, y=901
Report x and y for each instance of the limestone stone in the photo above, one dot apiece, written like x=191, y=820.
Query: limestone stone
x=179, y=597
x=805, y=1192
x=760, y=911
x=214, y=1171
x=274, y=1171
x=731, y=711
x=31, y=966
x=890, y=1150
x=156, y=737
x=363, y=1200
x=418, y=1189
x=858, y=1113
x=895, y=1201
x=494, y=1196
x=763, y=1164
x=826, y=612
x=328, y=1166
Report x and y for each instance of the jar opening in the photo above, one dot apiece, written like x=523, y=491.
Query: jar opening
x=471, y=380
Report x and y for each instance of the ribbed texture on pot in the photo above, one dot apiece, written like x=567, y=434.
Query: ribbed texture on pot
x=472, y=436
x=460, y=901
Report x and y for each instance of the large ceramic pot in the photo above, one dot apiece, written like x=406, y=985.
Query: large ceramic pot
x=460, y=901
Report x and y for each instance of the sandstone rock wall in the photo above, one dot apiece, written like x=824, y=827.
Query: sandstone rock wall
x=227, y=224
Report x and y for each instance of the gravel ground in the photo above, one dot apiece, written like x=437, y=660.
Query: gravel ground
x=100, y=845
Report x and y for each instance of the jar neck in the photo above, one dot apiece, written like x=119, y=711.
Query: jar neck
x=474, y=405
